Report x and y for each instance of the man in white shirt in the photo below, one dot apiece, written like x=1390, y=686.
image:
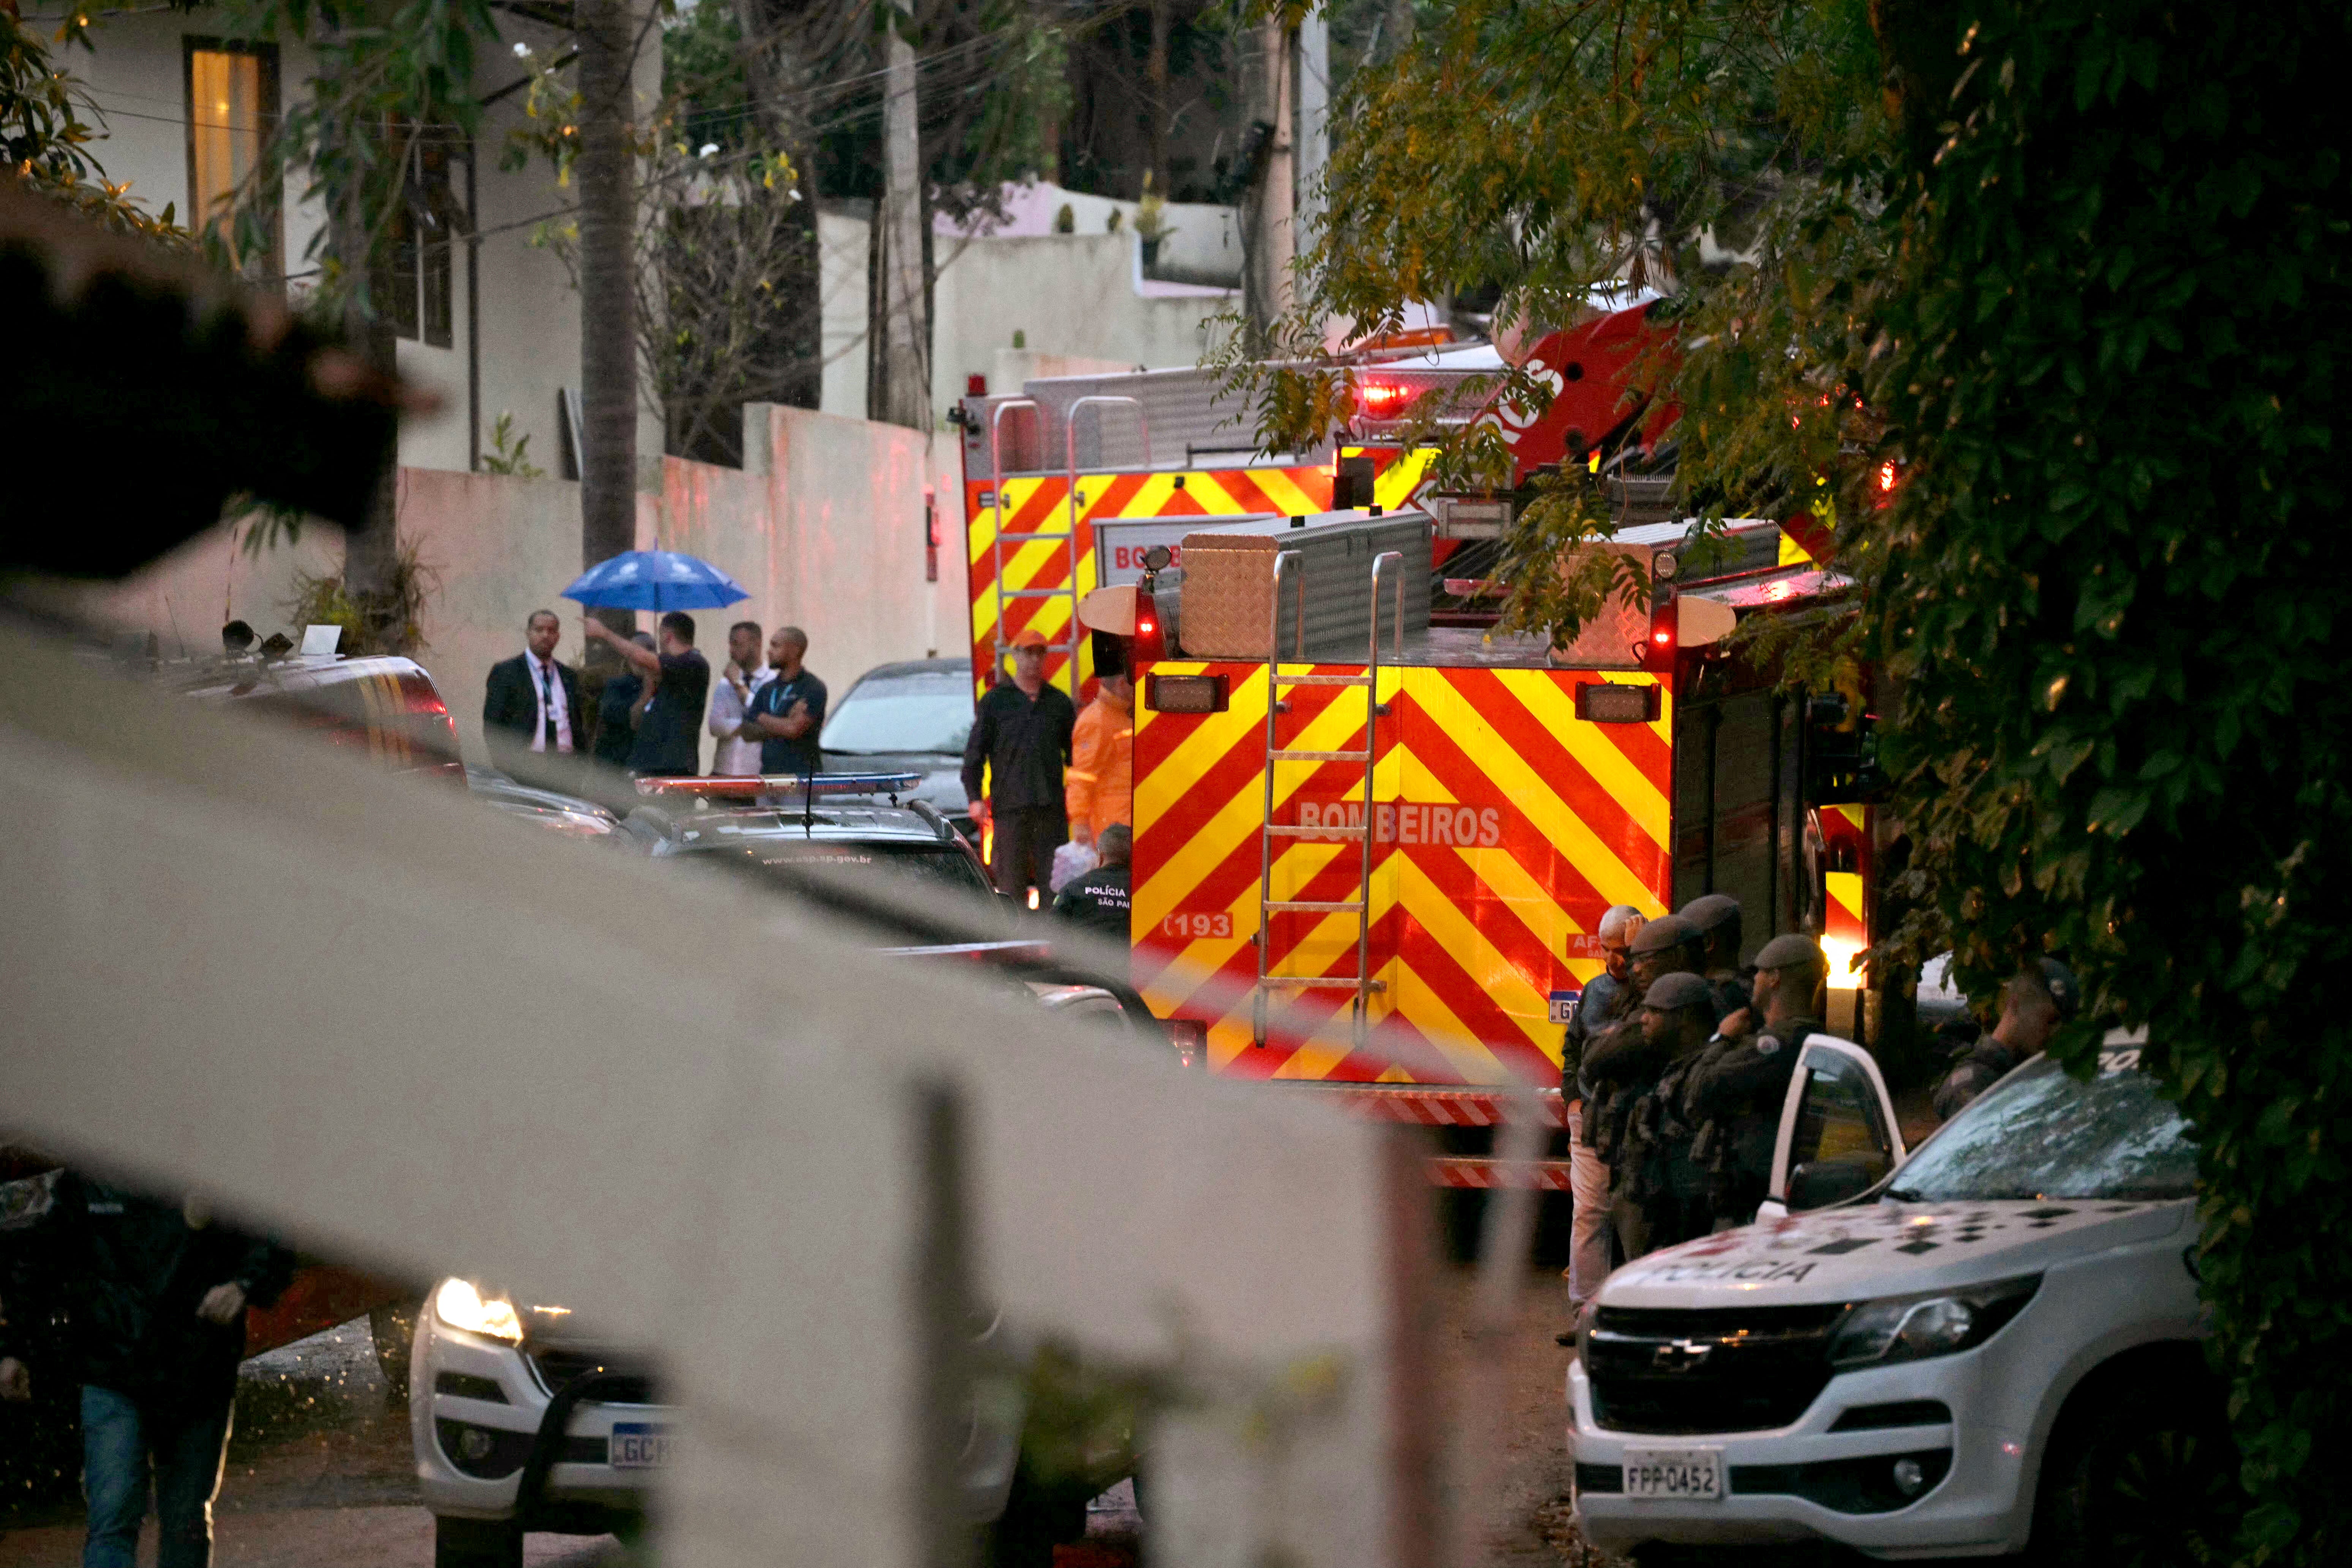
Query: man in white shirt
x=738, y=684
x=532, y=703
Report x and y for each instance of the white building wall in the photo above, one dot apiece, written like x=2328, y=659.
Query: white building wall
x=1080, y=295
x=842, y=239
x=529, y=335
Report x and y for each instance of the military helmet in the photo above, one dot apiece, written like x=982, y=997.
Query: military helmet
x=1665, y=931
x=1789, y=951
x=1708, y=910
x=1674, y=993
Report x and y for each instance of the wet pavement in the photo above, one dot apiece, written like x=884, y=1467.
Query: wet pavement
x=318, y=1469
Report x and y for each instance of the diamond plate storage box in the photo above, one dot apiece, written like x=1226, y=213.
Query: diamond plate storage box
x=1228, y=593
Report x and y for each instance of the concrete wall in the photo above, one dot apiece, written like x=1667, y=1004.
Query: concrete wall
x=826, y=531
x=844, y=558
x=842, y=236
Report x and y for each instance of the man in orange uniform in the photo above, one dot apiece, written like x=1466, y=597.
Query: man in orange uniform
x=1099, y=787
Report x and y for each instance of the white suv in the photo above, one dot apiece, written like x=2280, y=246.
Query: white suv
x=520, y=1422
x=1991, y=1344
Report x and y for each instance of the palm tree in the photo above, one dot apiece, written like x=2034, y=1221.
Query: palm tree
x=608, y=36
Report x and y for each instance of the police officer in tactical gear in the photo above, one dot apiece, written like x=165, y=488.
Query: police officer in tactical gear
x=1715, y=919
x=1620, y=1067
x=2032, y=1005
x=1660, y=1182
x=1736, y=1089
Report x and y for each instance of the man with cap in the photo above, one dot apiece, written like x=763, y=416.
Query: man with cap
x=1715, y=918
x=2032, y=1005
x=1736, y=1089
x=1603, y=1001
x=1013, y=767
x=1662, y=1189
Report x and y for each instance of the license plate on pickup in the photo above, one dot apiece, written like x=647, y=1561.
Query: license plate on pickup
x=1683, y=1475
x=638, y=1446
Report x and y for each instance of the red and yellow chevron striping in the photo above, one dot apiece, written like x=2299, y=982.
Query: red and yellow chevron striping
x=1503, y=825
x=1041, y=505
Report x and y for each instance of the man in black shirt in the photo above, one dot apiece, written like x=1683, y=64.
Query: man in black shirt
x=670, y=732
x=786, y=715
x=616, y=718
x=1020, y=743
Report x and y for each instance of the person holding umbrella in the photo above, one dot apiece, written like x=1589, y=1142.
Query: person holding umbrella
x=669, y=734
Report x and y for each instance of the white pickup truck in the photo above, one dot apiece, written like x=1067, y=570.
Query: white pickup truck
x=1988, y=1346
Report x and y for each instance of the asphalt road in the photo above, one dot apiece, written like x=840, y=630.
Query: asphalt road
x=318, y=1469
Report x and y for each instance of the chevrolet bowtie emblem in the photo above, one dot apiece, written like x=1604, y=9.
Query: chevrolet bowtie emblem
x=1682, y=1355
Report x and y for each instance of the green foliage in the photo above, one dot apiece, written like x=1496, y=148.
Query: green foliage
x=45, y=141
x=390, y=621
x=1730, y=153
x=510, y=453
x=390, y=74
x=2116, y=330
x=2078, y=268
x=703, y=78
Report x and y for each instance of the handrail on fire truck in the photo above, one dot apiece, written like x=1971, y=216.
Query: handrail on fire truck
x=1068, y=588
x=1362, y=982
x=999, y=538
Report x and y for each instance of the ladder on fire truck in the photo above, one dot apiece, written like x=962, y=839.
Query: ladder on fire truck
x=1389, y=565
x=1068, y=588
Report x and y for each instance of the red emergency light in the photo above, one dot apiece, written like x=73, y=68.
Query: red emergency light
x=1148, y=644
x=1383, y=399
x=1658, y=654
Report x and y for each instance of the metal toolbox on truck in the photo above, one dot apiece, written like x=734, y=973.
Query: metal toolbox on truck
x=1327, y=611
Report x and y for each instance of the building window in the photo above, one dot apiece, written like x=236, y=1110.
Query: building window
x=232, y=114
x=414, y=291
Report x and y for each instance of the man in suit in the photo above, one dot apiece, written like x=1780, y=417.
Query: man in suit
x=533, y=703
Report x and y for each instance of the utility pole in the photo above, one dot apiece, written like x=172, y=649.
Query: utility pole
x=1313, y=121
x=901, y=393
x=608, y=294
x=1276, y=237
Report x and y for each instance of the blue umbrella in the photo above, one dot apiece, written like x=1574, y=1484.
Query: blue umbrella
x=655, y=580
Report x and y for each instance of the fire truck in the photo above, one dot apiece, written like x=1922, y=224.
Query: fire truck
x=1374, y=837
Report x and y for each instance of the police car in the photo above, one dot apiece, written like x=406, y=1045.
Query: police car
x=1990, y=1345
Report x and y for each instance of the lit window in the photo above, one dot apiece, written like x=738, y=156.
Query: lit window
x=232, y=113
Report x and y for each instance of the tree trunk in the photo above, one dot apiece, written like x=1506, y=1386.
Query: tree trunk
x=1155, y=99
x=606, y=30
x=371, y=552
x=1274, y=239
x=1312, y=133
x=901, y=391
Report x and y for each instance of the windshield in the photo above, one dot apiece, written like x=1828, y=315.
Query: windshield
x=2042, y=1135
x=927, y=712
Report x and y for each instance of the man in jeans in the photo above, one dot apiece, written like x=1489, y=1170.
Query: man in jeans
x=1021, y=738
x=1604, y=1000
x=157, y=1295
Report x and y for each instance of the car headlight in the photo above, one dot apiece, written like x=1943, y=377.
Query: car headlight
x=461, y=1304
x=1932, y=1323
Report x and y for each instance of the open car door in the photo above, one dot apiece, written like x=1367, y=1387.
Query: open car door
x=1838, y=1135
